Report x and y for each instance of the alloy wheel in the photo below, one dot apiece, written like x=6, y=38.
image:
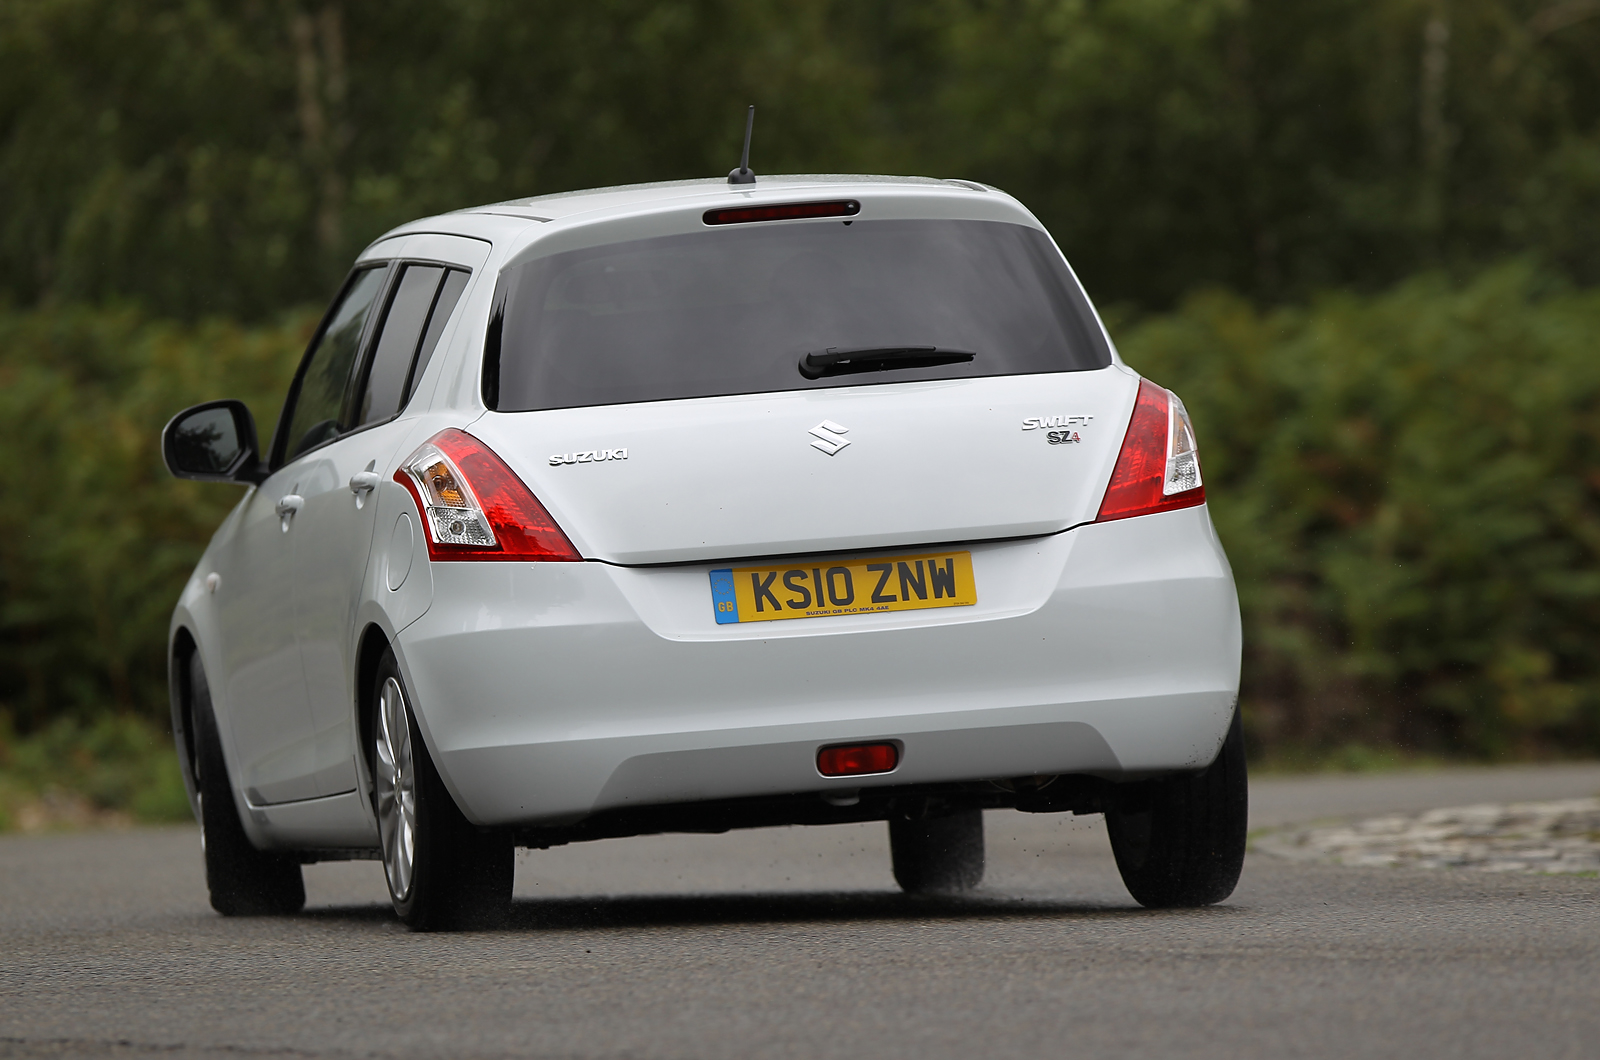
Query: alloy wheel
x=395, y=784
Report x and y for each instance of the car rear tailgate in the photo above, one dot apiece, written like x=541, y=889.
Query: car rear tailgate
x=865, y=467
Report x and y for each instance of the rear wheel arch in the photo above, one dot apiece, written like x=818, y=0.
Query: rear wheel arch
x=442, y=871
x=374, y=642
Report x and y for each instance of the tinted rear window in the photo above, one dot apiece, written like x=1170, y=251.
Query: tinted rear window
x=732, y=311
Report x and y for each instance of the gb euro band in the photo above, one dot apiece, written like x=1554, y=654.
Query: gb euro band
x=588, y=456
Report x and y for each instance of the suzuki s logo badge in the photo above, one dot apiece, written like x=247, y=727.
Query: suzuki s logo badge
x=826, y=437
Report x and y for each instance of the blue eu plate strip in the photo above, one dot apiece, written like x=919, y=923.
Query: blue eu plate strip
x=722, y=598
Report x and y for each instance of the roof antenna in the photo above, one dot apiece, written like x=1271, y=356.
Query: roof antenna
x=742, y=175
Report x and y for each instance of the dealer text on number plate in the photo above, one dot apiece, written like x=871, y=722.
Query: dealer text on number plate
x=819, y=588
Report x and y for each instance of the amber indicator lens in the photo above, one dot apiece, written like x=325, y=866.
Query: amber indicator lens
x=856, y=760
x=789, y=211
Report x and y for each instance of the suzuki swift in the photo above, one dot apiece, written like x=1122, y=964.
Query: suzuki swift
x=698, y=506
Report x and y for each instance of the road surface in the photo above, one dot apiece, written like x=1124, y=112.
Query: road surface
x=793, y=943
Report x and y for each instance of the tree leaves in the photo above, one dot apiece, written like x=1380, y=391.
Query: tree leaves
x=202, y=157
x=1404, y=484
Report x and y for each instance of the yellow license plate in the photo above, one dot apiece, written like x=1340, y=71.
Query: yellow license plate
x=817, y=588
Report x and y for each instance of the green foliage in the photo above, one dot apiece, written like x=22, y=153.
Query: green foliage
x=203, y=157
x=95, y=537
x=1295, y=758
x=1406, y=487
x=208, y=157
x=1277, y=148
x=75, y=773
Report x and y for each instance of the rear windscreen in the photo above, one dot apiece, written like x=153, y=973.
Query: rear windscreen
x=734, y=310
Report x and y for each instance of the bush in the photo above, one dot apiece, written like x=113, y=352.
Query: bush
x=116, y=767
x=96, y=539
x=1407, y=487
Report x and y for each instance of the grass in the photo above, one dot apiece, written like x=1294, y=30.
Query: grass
x=116, y=770
x=1346, y=758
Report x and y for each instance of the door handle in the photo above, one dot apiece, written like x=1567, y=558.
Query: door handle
x=287, y=506
x=363, y=483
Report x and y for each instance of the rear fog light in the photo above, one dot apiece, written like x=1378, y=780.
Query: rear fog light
x=856, y=760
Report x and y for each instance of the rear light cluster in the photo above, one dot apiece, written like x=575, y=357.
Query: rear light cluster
x=475, y=507
x=1158, y=469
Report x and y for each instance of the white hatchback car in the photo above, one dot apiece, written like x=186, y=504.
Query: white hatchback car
x=696, y=506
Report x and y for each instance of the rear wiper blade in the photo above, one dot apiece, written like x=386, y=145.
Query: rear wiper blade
x=834, y=361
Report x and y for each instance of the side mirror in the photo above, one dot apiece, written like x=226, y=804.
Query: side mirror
x=214, y=442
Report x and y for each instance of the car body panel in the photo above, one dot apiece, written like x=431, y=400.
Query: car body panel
x=541, y=682
x=333, y=536
x=726, y=477
x=330, y=822
x=260, y=677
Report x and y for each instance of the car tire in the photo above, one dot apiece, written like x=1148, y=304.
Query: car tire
x=937, y=855
x=243, y=881
x=1180, y=841
x=444, y=873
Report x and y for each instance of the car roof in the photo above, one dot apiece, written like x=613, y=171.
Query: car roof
x=643, y=198
x=662, y=192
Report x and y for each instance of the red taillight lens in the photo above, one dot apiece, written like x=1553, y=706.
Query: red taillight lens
x=857, y=760
x=475, y=507
x=1158, y=469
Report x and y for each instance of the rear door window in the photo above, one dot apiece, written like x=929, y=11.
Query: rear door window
x=423, y=298
x=455, y=282
x=733, y=310
x=397, y=341
x=320, y=400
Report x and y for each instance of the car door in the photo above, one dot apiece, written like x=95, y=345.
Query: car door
x=269, y=716
x=263, y=689
x=334, y=534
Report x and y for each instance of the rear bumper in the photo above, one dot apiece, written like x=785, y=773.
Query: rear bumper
x=548, y=692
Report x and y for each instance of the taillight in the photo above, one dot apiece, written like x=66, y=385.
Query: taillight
x=1158, y=469
x=475, y=507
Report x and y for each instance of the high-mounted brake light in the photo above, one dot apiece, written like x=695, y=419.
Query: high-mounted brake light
x=475, y=507
x=1158, y=469
x=789, y=211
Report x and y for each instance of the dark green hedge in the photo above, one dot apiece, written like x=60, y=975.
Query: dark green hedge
x=1409, y=490
x=96, y=538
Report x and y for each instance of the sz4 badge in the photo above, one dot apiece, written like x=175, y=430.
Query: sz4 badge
x=1059, y=430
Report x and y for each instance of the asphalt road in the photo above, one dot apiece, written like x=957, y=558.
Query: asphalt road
x=793, y=943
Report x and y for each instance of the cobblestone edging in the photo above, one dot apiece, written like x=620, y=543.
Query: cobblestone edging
x=1544, y=837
